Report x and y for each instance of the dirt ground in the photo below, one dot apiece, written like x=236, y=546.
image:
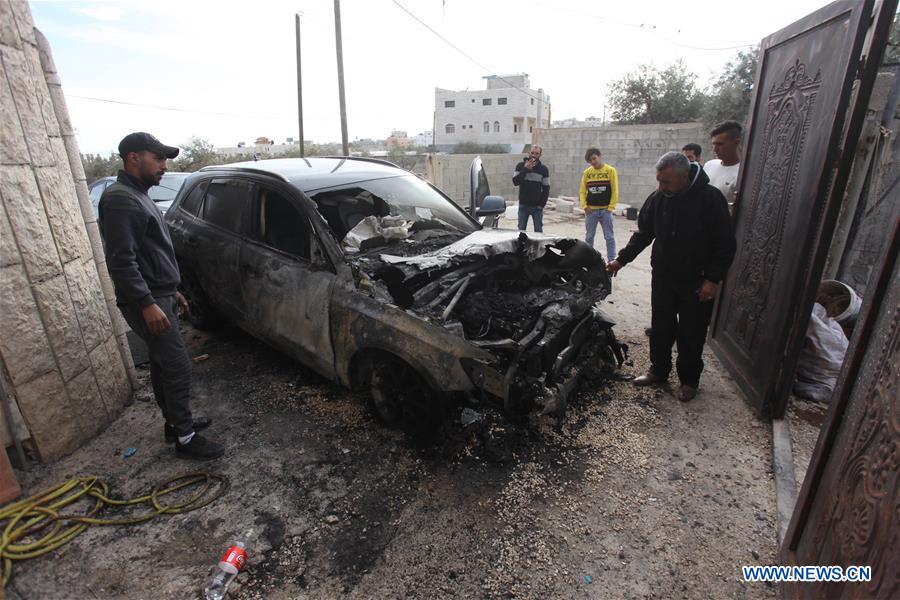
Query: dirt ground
x=635, y=495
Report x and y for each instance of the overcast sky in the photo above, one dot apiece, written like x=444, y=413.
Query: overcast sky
x=229, y=68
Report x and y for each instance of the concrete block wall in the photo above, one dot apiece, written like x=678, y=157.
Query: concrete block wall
x=62, y=364
x=632, y=149
x=450, y=172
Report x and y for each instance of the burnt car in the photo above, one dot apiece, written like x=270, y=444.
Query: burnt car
x=374, y=278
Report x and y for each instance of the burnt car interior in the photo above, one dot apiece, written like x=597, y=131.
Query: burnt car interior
x=345, y=208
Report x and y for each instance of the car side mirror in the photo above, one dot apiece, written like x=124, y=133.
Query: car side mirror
x=491, y=205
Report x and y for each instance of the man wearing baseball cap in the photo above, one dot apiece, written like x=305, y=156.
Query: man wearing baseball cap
x=144, y=271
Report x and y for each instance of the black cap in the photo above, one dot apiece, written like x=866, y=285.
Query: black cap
x=138, y=141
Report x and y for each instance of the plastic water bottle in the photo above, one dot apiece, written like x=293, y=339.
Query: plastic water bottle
x=229, y=565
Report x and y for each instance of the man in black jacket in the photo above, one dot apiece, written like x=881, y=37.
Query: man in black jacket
x=694, y=246
x=533, y=179
x=144, y=271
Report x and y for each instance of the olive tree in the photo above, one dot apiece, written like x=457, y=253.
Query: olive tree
x=652, y=95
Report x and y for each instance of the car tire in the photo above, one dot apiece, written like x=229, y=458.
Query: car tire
x=200, y=314
x=399, y=397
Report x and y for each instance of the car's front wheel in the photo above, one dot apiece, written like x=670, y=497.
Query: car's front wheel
x=401, y=398
x=200, y=314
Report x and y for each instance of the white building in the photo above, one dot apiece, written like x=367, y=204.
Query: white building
x=505, y=113
x=250, y=150
x=573, y=122
x=426, y=138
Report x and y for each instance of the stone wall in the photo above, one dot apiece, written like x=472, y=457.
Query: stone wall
x=631, y=149
x=62, y=362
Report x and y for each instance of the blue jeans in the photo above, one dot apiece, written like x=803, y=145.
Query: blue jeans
x=605, y=219
x=536, y=213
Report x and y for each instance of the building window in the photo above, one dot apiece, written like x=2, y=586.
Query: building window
x=485, y=101
x=530, y=129
x=496, y=126
x=532, y=101
x=501, y=100
x=473, y=100
x=449, y=103
x=515, y=128
x=487, y=127
x=449, y=128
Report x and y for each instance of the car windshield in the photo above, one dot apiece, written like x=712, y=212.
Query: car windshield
x=406, y=198
x=167, y=189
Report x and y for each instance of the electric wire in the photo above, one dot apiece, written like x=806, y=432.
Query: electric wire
x=468, y=56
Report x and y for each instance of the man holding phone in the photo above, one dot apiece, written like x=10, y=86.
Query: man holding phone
x=533, y=180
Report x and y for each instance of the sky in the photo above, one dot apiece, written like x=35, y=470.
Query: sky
x=227, y=72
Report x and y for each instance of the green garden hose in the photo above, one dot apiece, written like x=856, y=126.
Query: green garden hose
x=24, y=522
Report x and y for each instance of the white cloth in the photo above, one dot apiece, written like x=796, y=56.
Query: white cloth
x=724, y=178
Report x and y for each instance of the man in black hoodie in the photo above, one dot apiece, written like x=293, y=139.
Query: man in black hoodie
x=533, y=180
x=694, y=246
x=144, y=271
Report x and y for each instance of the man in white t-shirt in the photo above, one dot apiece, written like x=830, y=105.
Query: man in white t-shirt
x=723, y=170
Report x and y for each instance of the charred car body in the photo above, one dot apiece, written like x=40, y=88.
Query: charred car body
x=375, y=279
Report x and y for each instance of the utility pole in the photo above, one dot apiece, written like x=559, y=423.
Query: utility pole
x=340, y=66
x=299, y=89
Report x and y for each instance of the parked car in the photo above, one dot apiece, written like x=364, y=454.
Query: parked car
x=374, y=278
x=162, y=194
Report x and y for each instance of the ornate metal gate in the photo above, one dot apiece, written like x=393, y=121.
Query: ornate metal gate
x=792, y=180
x=849, y=508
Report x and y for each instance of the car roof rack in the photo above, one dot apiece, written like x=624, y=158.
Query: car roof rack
x=209, y=168
x=370, y=159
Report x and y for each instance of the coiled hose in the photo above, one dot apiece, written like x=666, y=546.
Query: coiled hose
x=23, y=522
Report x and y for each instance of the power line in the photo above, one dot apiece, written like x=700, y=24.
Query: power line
x=645, y=27
x=455, y=47
x=172, y=108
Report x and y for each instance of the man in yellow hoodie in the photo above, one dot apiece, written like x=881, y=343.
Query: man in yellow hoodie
x=599, y=194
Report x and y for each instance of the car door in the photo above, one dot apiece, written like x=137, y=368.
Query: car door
x=286, y=280
x=213, y=244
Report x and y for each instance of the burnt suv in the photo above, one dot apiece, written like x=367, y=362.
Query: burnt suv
x=375, y=279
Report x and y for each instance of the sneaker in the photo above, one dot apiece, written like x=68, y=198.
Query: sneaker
x=199, y=448
x=686, y=393
x=199, y=424
x=649, y=379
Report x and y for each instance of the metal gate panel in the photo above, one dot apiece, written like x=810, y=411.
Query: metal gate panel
x=790, y=165
x=848, y=512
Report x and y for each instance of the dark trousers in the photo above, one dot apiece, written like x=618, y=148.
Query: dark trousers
x=537, y=215
x=170, y=366
x=678, y=317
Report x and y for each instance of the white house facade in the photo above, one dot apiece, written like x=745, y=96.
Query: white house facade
x=504, y=113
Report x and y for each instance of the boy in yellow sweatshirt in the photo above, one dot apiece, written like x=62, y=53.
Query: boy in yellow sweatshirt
x=599, y=194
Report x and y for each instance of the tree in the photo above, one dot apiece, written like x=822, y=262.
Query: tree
x=651, y=95
x=730, y=96
x=195, y=154
x=96, y=166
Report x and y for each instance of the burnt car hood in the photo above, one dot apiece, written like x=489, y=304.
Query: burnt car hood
x=485, y=244
x=529, y=300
